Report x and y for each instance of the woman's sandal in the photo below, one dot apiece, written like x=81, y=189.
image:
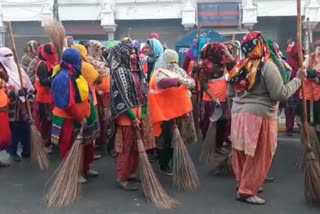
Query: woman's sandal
x=259, y=191
x=255, y=200
x=127, y=186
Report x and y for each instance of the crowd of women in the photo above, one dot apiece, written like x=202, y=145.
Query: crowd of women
x=114, y=92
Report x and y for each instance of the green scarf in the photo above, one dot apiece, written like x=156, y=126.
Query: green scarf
x=276, y=60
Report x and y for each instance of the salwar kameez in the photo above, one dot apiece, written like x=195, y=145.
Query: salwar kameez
x=67, y=137
x=128, y=156
x=254, y=140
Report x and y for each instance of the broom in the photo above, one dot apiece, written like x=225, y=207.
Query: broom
x=185, y=176
x=312, y=130
x=38, y=153
x=209, y=145
x=197, y=97
x=151, y=186
x=56, y=33
x=65, y=189
x=311, y=164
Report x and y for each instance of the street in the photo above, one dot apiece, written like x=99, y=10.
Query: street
x=23, y=188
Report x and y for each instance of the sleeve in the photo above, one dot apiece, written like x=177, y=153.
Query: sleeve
x=131, y=114
x=274, y=84
x=168, y=83
x=43, y=74
x=186, y=63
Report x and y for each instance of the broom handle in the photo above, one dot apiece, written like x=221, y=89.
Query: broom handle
x=15, y=55
x=300, y=57
x=310, y=61
x=138, y=133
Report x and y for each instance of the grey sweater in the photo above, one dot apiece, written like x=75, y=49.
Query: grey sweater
x=263, y=99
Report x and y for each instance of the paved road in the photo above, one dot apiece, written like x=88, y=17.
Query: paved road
x=23, y=187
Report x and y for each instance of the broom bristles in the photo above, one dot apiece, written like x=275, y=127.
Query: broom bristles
x=185, y=176
x=209, y=144
x=38, y=154
x=56, y=33
x=65, y=188
x=151, y=186
x=312, y=177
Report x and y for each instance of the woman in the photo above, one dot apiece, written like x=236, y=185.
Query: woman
x=312, y=87
x=153, y=49
x=256, y=87
x=214, y=86
x=29, y=60
x=129, y=108
x=73, y=108
x=292, y=103
x=5, y=134
x=169, y=101
x=47, y=59
x=95, y=58
x=18, y=114
x=191, y=56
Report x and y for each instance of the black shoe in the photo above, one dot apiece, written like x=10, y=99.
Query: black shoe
x=25, y=154
x=166, y=170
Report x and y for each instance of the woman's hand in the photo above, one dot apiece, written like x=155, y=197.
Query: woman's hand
x=189, y=84
x=84, y=122
x=301, y=74
x=136, y=123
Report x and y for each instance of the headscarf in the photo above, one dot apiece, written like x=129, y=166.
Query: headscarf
x=123, y=86
x=154, y=36
x=87, y=70
x=214, y=58
x=32, y=48
x=244, y=75
x=95, y=58
x=12, y=70
x=47, y=53
x=157, y=49
x=93, y=48
x=276, y=59
x=168, y=60
x=192, y=53
x=293, y=61
x=68, y=86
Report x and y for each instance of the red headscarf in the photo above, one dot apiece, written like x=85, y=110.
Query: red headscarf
x=154, y=36
x=46, y=52
x=214, y=57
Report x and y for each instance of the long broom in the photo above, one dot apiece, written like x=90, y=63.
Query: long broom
x=38, y=153
x=65, y=188
x=151, y=186
x=311, y=164
x=196, y=94
x=208, y=148
x=312, y=129
x=185, y=175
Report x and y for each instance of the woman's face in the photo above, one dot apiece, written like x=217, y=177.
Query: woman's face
x=133, y=54
x=148, y=50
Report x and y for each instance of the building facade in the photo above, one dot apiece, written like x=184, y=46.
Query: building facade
x=172, y=19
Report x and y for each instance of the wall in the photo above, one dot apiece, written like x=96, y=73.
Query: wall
x=278, y=29
x=170, y=30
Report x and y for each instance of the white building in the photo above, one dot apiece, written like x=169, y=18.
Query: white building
x=172, y=19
